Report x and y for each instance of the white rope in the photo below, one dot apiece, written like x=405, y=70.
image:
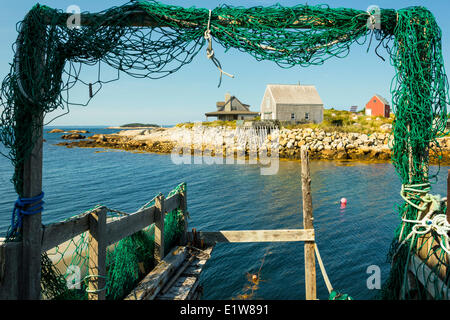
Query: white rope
x=322, y=269
x=210, y=51
x=428, y=222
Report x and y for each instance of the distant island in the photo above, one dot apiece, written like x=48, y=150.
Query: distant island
x=136, y=126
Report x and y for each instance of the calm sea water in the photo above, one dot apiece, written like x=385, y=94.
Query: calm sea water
x=238, y=197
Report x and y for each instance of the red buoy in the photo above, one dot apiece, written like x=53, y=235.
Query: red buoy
x=343, y=203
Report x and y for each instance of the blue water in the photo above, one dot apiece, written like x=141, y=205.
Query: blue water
x=237, y=197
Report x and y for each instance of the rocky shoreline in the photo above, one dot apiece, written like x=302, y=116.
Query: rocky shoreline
x=213, y=140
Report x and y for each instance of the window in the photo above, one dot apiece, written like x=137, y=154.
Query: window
x=292, y=116
x=306, y=116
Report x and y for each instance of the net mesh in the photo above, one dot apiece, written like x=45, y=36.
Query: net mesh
x=65, y=268
x=49, y=56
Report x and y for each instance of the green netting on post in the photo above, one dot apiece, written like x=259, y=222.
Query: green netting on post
x=65, y=268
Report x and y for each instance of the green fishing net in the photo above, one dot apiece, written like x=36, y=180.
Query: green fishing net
x=50, y=54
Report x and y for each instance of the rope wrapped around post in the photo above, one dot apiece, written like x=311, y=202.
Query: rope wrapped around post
x=24, y=206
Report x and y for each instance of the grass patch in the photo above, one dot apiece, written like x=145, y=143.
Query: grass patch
x=333, y=120
x=346, y=121
x=216, y=123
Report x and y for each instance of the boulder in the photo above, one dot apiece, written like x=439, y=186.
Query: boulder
x=130, y=133
x=73, y=136
x=78, y=131
x=56, y=131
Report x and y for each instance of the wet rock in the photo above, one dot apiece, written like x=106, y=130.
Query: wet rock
x=72, y=136
x=56, y=131
x=78, y=131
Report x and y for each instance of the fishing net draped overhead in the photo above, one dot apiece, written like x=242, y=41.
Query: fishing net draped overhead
x=147, y=39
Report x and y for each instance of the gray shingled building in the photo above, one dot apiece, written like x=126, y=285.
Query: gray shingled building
x=232, y=109
x=292, y=102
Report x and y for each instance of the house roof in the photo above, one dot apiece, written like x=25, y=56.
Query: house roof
x=382, y=99
x=294, y=94
x=217, y=113
x=222, y=103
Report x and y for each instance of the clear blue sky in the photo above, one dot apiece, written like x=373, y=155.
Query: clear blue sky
x=192, y=91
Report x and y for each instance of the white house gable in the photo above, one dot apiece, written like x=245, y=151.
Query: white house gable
x=292, y=103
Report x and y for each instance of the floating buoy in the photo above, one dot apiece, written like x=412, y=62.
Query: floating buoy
x=343, y=202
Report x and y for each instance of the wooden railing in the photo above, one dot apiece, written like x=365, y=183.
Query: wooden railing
x=103, y=232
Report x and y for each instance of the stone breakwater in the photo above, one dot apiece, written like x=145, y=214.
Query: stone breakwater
x=334, y=145
x=241, y=141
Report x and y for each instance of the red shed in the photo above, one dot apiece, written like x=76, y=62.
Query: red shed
x=378, y=106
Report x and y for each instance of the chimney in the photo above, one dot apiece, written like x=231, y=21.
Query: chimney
x=227, y=106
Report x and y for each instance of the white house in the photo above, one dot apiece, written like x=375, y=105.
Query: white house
x=292, y=102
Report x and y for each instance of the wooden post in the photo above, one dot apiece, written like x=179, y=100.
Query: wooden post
x=97, y=254
x=159, y=228
x=183, y=207
x=10, y=264
x=30, y=123
x=32, y=224
x=448, y=195
x=310, y=263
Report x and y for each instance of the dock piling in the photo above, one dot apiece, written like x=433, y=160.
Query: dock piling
x=310, y=263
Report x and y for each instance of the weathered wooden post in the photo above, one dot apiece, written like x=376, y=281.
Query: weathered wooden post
x=97, y=254
x=10, y=267
x=310, y=261
x=30, y=116
x=447, y=211
x=31, y=224
x=183, y=207
x=159, y=228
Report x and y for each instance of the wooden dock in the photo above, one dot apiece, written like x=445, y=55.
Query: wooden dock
x=174, y=278
x=176, y=275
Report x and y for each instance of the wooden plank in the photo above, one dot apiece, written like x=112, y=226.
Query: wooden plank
x=310, y=261
x=280, y=235
x=57, y=233
x=10, y=263
x=119, y=228
x=97, y=254
x=151, y=285
x=195, y=268
x=159, y=228
x=180, y=270
x=428, y=278
x=183, y=289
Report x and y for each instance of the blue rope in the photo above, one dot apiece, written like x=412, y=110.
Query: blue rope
x=20, y=210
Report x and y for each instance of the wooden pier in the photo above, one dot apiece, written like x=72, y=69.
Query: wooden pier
x=176, y=275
